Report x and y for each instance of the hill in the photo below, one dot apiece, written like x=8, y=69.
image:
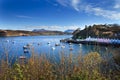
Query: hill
x=101, y=31
x=28, y=33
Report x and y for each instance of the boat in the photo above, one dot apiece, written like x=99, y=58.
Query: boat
x=57, y=44
x=53, y=48
x=62, y=46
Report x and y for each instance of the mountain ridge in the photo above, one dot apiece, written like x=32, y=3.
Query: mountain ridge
x=28, y=33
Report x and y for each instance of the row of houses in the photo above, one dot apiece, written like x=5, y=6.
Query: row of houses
x=104, y=40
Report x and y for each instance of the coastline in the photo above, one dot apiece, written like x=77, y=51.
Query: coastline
x=10, y=33
x=92, y=42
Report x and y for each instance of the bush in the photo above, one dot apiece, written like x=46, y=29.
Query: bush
x=68, y=68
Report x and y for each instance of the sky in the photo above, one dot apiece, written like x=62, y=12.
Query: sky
x=57, y=14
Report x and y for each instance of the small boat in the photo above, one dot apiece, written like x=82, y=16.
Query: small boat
x=29, y=45
x=22, y=57
x=48, y=43
x=7, y=41
x=13, y=42
x=63, y=46
x=80, y=45
x=71, y=49
x=57, y=44
x=38, y=43
x=26, y=51
x=70, y=43
x=25, y=47
x=53, y=48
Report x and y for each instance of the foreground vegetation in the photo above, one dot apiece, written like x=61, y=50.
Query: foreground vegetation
x=89, y=67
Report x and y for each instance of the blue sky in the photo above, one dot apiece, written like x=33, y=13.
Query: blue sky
x=57, y=14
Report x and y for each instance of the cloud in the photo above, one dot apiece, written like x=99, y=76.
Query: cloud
x=75, y=4
x=63, y=2
x=117, y=4
x=72, y=3
x=60, y=28
x=89, y=8
x=105, y=13
x=22, y=16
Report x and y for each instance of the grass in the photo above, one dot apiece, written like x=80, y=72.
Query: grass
x=41, y=67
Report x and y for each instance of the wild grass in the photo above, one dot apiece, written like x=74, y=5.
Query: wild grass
x=42, y=67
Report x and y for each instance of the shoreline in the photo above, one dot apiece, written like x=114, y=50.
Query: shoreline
x=112, y=44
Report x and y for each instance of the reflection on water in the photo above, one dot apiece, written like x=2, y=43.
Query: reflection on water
x=50, y=45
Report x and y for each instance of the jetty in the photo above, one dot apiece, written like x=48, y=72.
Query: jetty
x=94, y=41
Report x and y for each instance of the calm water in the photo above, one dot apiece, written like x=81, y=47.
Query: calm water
x=39, y=45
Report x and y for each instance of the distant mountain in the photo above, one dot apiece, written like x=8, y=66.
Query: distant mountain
x=48, y=32
x=69, y=31
x=39, y=30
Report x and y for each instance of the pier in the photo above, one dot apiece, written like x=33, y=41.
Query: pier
x=95, y=41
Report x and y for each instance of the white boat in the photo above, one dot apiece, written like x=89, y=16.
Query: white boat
x=22, y=57
x=53, y=48
x=57, y=44
x=26, y=51
x=63, y=46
